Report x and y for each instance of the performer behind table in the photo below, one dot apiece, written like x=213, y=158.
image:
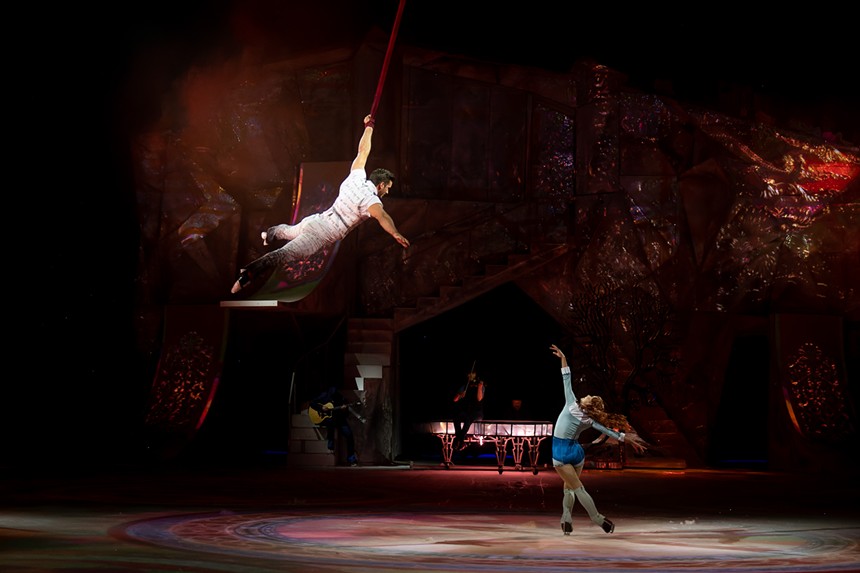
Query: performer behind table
x=468, y=408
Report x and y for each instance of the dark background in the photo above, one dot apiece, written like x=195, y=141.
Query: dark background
x=83, y=79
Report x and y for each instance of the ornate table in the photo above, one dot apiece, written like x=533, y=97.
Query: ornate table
x=499, y=432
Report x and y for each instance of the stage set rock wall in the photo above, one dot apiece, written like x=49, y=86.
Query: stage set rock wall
x=686, y=229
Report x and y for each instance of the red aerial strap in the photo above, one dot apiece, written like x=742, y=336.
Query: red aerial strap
x=387, y=59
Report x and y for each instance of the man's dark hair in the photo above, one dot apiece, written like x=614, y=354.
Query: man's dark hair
x=381, y=175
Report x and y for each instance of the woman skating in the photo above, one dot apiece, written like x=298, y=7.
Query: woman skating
x=568, y=457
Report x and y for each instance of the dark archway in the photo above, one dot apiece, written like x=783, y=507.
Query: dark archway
x=739, y=437
x=506, y=335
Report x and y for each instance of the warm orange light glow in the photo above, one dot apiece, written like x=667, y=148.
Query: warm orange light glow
x=790, y=410
x=830, y=176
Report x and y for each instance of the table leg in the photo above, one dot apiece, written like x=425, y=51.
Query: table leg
x=534, y=451
x=501, y=447
x=518, y=452
x=447, y=448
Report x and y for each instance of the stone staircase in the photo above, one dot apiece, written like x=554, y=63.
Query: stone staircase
x=308, y=443
x=450, y=297
x=366, y=380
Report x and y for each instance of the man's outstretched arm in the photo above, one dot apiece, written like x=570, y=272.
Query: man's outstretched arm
x=364, y=145
x=387, y=223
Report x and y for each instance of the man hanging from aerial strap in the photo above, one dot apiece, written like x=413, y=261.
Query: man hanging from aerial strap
x=359, y=198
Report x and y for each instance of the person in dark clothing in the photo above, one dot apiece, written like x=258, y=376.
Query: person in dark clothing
x=468, y=408
x=330, y=410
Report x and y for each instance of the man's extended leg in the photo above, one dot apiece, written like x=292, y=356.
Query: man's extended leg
x=282, y=232
x=302, y=247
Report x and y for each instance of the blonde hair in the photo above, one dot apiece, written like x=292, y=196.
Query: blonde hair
x=596, y=410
